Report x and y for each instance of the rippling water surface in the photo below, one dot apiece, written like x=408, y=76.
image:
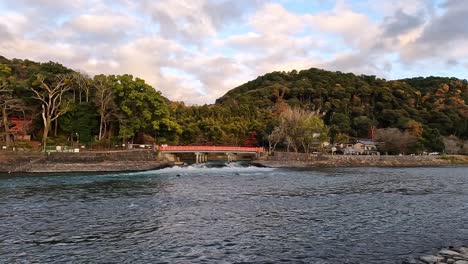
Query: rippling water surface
x=233, y=214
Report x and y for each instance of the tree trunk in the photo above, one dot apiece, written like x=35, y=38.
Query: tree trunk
x=296, y=150
x=55, y=127
x=104, y=130
x=101, y=127
x=44, y=137
x=111, y=131
x=7, y=129
x=47, y=123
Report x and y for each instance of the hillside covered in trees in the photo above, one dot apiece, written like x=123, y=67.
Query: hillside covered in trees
x=65, y=106
x=426, y=108
x=60, y=106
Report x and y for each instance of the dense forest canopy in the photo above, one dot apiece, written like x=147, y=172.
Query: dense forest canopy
x=350, y=104
x=68, y=106
x=106, y=110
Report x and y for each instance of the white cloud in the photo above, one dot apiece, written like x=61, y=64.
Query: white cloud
x=356, y=29
x=101, y=24
x=274, y=19
x=14, y=23
x=181, y=19
x=197, y=50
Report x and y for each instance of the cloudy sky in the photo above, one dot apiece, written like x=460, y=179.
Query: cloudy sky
x=196, y=50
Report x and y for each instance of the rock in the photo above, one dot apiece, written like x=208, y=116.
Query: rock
x=411, y=261
x=449, y=253
x=463, y=250
x=461, y=262
x=450, y=261
x=430, y=259
x=460, y=257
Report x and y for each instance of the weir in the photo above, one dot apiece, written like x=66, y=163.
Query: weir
x=202, y=153
x=201, y=157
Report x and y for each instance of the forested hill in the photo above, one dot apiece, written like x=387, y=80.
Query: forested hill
x=59, y=106
x=420, y=114
x=349, y=103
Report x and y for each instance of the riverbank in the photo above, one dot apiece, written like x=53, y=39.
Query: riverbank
x=62, y=162
x=141, y=160
x=301, y=160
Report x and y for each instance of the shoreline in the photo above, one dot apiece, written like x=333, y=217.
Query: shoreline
x=144, y=160
x=85, y=162
x=300, y=160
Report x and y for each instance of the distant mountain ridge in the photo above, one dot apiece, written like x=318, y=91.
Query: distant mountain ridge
x=352, y=102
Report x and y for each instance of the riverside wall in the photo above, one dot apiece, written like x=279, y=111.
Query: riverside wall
x=62, y=162
x=289, y=159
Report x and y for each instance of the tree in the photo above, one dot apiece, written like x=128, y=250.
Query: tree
x=143, y=109
x=341, y=138
x=315, y=131
x=82, y=83
x=51, y=94
x=104, y=101
x=80, y=120
x=290, y=124
x=395, y=141
x=302, y=128
x=432, y=140
x=453, y=145
x=276, y=136
x=414, y=128
x=464, y=149
x=9, y=103
x=361, y=126
x=340, y=123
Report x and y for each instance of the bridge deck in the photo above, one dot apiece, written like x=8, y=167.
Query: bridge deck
x=208, y=149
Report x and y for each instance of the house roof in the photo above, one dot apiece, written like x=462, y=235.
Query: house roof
x=366, y=142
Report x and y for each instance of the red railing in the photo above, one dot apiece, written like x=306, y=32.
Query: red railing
x=209, y=148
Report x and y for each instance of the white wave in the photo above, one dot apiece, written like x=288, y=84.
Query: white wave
x=207, y=167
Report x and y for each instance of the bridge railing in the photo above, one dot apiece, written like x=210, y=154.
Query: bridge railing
x=209, y=148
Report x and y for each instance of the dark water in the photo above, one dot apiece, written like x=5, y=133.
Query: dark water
x=234, y=215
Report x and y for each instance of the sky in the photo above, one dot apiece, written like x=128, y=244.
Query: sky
x=197, y=50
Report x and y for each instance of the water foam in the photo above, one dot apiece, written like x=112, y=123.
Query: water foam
x=214, y=167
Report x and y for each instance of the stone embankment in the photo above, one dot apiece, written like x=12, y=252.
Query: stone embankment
x=444, y=256
x=60, y=162
x=285, y=159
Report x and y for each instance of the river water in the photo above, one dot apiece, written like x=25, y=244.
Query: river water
x=233, y=214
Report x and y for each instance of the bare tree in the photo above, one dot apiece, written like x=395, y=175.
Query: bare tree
x=464, y=149
x=453, y=145
x=82, y=82
x=52, y=98
x=105, y=103
x=274, y=138
x=395, y=141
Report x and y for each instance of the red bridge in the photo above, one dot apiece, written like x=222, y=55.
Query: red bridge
x=209, y=149
x=201, y=152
